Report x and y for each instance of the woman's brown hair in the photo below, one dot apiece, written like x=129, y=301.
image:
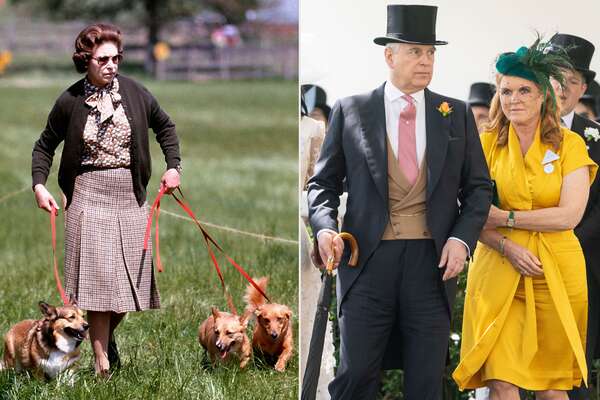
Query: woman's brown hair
x=550, y=125
x=92, y=36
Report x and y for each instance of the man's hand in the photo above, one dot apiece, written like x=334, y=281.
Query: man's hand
x=44, y=199
x=170, y=180
x=325, y=240
x=454, y=255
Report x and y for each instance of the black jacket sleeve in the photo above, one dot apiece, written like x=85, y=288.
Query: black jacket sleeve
x=588, y=229
x=45, y=146
x=166, y=135
x=475, y=194
x=326, y=185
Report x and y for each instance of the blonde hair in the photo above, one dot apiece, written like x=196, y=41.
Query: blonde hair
x=550, y=130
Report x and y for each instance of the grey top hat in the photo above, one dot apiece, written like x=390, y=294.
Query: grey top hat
x=410, y=24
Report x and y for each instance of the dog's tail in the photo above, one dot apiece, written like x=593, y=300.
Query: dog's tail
x=253, y=298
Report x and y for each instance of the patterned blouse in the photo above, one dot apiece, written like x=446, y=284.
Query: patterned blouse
x=107, y=133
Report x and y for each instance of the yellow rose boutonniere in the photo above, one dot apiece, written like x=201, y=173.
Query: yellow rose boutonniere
x=445, y=109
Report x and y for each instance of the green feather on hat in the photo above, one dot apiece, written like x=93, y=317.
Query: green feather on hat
x=537, y=63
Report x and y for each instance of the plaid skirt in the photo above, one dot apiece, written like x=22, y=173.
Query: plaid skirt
x=106, y=268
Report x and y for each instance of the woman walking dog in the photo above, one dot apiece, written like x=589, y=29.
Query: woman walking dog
x=103, y=120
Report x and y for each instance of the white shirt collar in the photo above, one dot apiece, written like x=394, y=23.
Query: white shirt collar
x=392, y=93
x=568, y=119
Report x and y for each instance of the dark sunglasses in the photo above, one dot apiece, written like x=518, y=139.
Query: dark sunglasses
x=104, y=59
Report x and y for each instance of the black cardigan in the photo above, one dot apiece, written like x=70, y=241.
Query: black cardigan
x=67, y=119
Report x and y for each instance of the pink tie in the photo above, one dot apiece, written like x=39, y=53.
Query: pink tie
x=407, y=141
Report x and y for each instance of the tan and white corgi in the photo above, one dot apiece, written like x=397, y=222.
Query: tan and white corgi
x=48, y=346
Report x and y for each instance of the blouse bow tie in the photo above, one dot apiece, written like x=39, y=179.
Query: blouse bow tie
x=103, y=100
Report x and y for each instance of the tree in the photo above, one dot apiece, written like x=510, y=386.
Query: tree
x=234, y=11
x=152, y=13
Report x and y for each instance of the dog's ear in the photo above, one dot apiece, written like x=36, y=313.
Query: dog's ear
x=48, y=310
x=257, y=312
x=245, y=318
x=215, y=312
x=72, y=300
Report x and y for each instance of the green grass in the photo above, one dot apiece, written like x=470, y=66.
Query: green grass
x=239, y=151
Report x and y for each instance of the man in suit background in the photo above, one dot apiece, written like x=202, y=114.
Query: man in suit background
x=418, y=195
x=580, y=52
x=480, y=98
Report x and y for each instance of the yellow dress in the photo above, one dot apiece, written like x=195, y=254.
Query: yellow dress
x=529, y=331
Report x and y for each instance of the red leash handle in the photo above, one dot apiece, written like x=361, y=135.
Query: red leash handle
x=59, y=286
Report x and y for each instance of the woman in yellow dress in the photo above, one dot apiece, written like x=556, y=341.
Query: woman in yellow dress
x=525, y=309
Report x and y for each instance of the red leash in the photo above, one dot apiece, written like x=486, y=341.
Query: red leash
x=155, y=207
x=207, y=240
x=61, y=291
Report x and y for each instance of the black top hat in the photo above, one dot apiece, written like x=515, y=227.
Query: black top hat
x=580, y=52
x=410, y=24
x=481, y=94
x=313, y=95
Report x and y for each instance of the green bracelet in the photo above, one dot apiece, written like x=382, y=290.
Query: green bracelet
x=510, y=221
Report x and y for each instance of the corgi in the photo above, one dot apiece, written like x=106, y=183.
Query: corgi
x=223, y=335
x=272, y=332
x=48, y=346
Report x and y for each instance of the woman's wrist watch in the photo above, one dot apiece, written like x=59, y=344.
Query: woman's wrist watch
x=510, y=221
x=178, y=168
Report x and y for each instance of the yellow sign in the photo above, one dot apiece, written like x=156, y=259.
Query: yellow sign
x=162, y=51
x=5, y=59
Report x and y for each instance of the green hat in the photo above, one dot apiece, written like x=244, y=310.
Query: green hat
x=537, y=63
x=512, y=64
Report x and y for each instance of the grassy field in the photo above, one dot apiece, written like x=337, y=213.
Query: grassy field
x=239, y=151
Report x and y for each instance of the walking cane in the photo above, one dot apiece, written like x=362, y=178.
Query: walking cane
x=317, y=339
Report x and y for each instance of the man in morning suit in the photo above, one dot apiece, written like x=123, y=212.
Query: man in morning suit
x=580, y=52
x=418, y=195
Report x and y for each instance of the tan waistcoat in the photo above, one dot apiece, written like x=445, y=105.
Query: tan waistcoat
x=407, y=203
